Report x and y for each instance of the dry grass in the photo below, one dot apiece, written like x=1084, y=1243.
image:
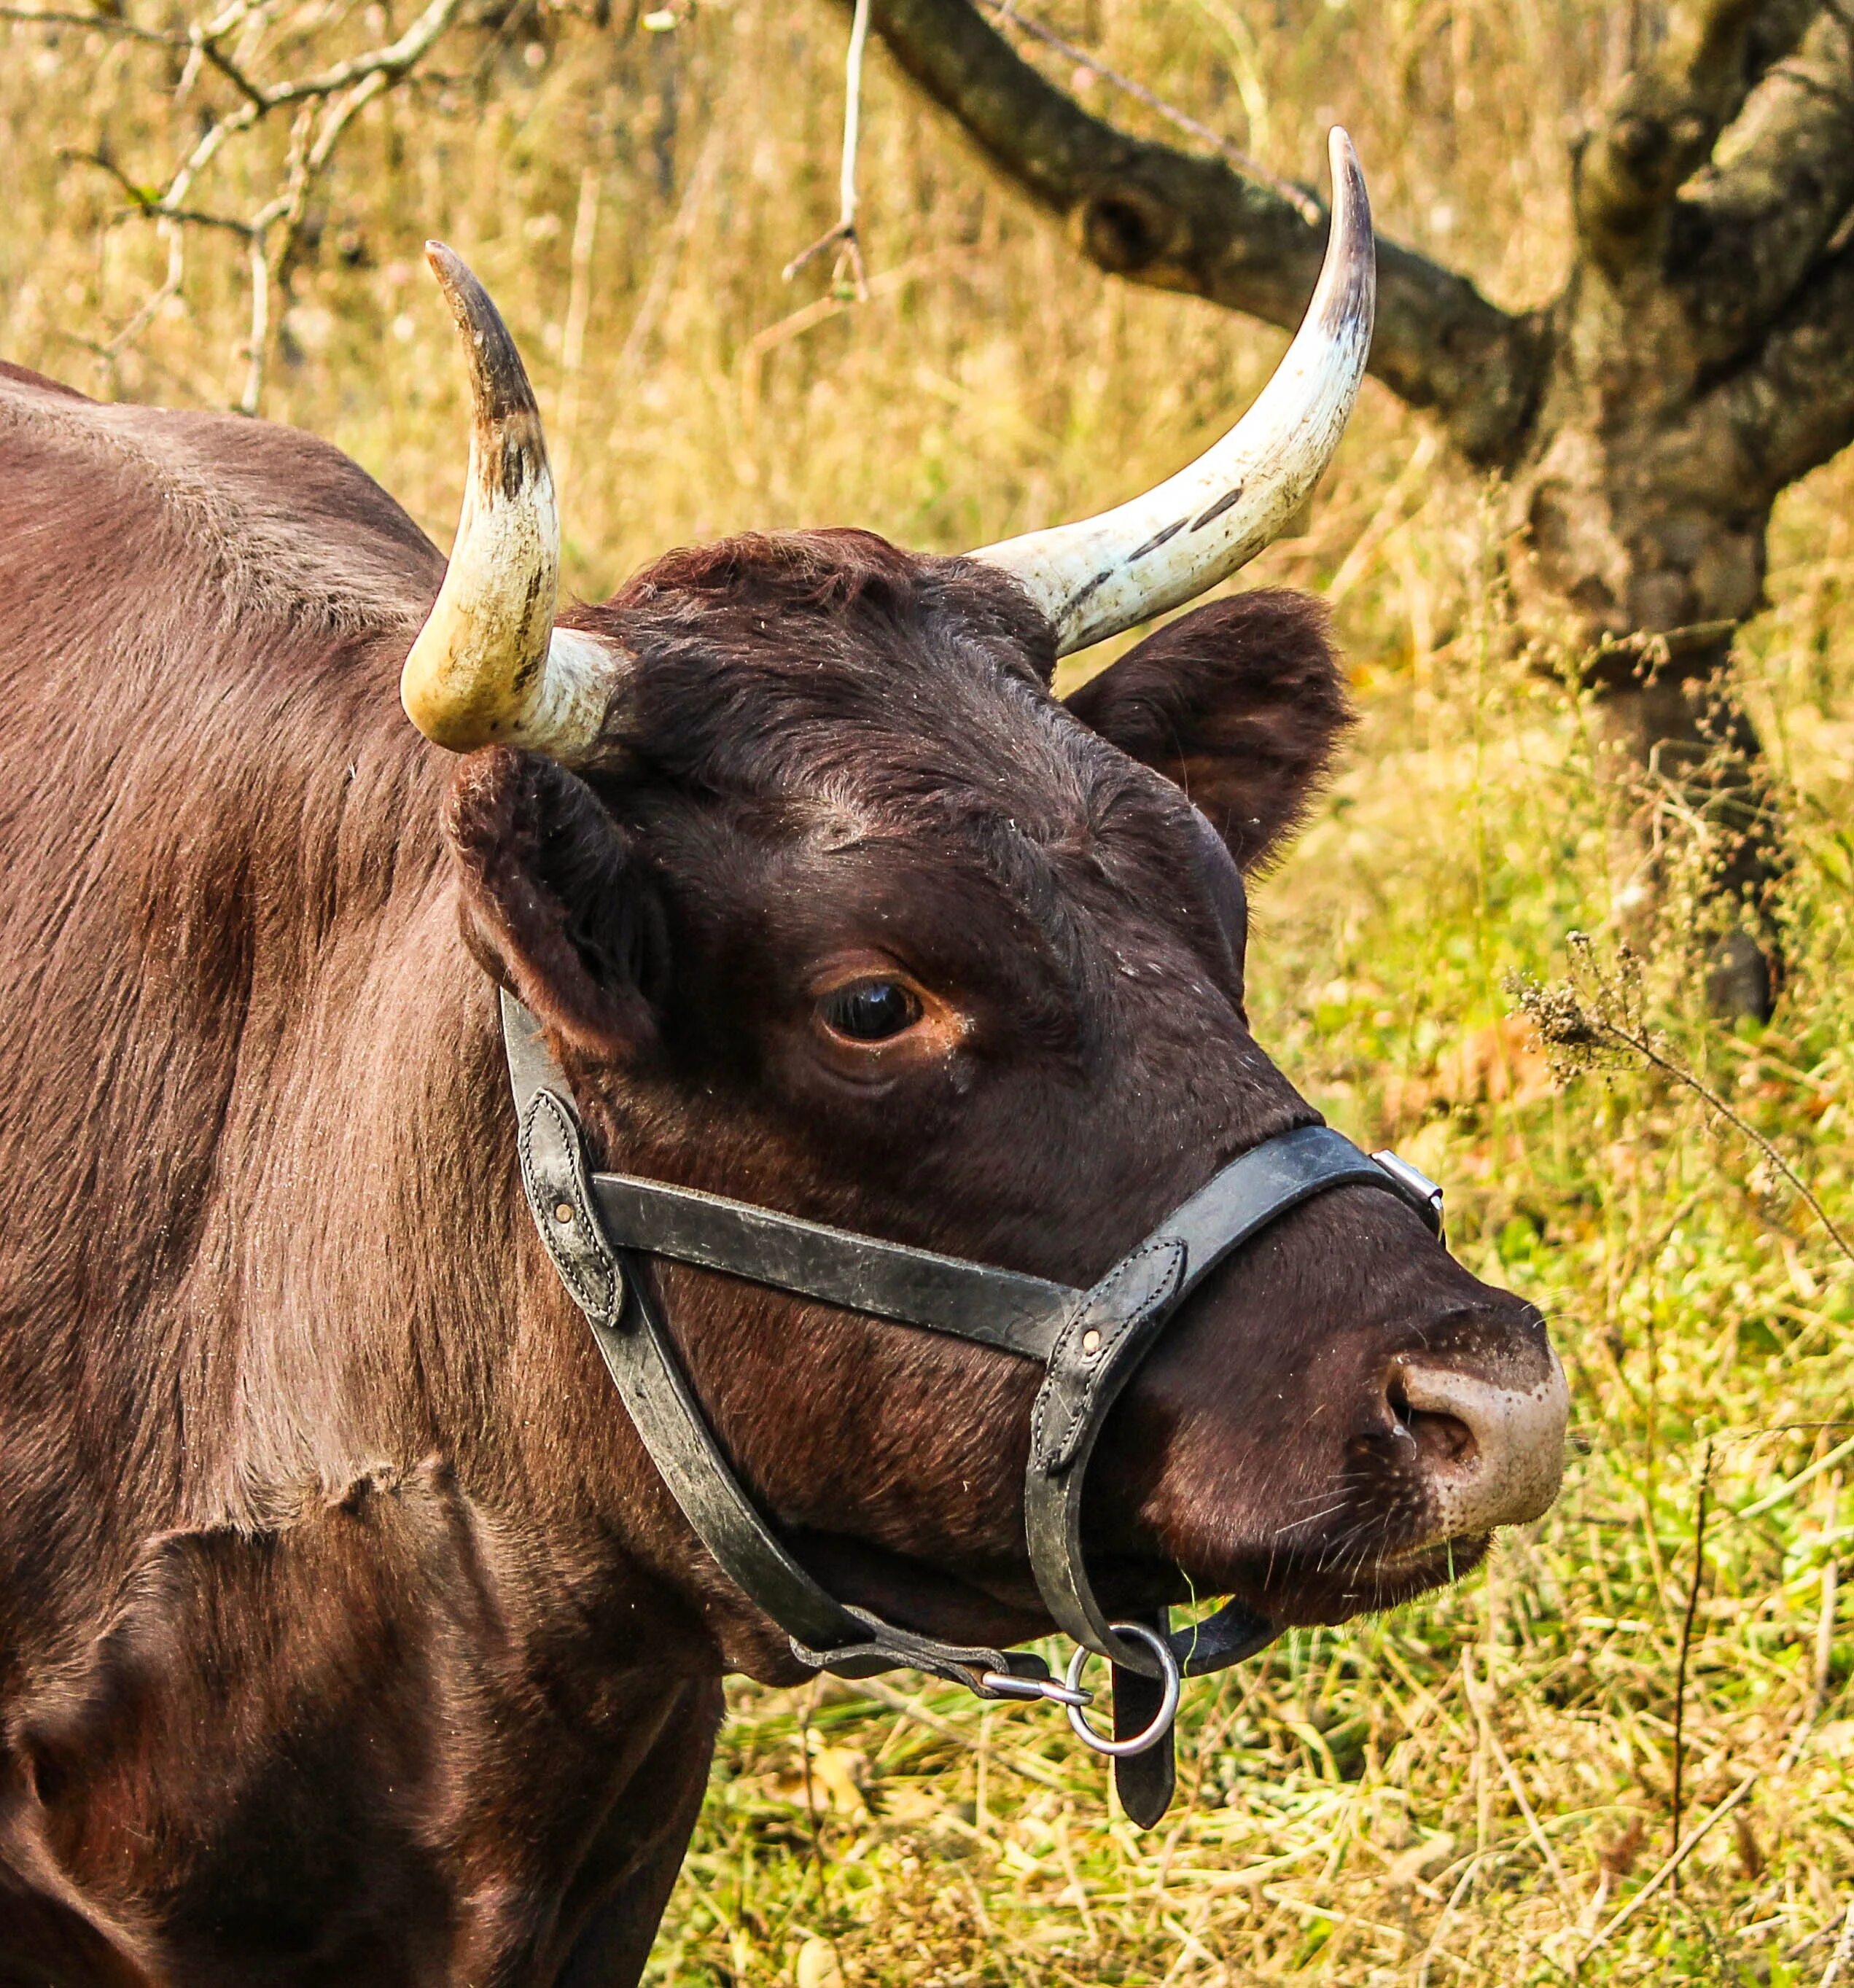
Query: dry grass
x=1477, y=1789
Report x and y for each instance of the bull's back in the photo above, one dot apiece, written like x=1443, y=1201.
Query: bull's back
x=205, y=786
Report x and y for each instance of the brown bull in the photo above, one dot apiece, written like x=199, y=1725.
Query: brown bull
x=347, y=1634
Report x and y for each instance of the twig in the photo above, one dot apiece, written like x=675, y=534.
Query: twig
x=1649, y=1053
x=579, y=311
x=1686, y=1623
x=393, y=61
x=1667, y=1870
x=1824, y=1619
x=1784, y=1492
x=1471, y=1690
x=804, y=1761
x=820, y=310
x=104, y=24
x=1570, y=1028
x=663, y=270
x=323, y=105
x=1303, y=202
x=843, y=236
x=1388, y=515
x=1447, y=1915
x=1842, y=1960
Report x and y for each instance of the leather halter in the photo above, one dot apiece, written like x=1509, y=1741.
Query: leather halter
x=598, y=1229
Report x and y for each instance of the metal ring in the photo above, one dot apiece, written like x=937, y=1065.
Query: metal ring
x=1168, y=1704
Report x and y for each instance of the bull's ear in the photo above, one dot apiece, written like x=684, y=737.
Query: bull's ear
x=553, y=902
x=1241, y=702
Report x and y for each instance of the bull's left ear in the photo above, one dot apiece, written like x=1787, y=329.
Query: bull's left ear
x=1241, y=702
x=553, y=901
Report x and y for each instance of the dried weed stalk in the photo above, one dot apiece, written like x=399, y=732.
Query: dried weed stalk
x=1597, y=1019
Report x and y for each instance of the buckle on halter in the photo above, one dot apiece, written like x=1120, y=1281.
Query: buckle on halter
x=1414, y=1184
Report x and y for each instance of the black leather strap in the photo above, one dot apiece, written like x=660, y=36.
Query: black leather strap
x=949, y=1294
x=1144, y=1782
x=1000, y=1308
x=1100, y=1347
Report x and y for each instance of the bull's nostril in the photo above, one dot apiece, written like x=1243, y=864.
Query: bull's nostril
x=1491, y=1448
x=1441, y=1439
x=1435, y=1437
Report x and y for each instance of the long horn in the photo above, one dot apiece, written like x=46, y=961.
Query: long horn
x=1107, y=573
x=489, y=663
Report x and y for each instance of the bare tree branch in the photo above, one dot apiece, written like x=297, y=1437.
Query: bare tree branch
x=104, y=24
x=1165, y=217
x=323, y=105
x=1794, y=409
x=1780, y=185
x=843, y=237
x=1659, y=126
x=1306, y=205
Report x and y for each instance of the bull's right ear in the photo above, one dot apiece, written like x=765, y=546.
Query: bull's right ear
x=552, y=900
x=1241, y=702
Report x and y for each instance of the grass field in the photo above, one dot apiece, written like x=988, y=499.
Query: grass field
x=1477, y=1789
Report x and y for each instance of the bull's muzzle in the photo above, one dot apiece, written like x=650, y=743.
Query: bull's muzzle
x=1492, y=1450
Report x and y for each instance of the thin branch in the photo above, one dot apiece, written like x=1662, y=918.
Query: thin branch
x=1310, y=208
x=669, y=254
x=103, y=24
x=1686, y=1623
x=153, y=206
x=391, y=62
x=324, y=105
x=843, y=236
x=209, y=48
x=1576, y=1031
x=579, y=312
x=1695, y=1836
x=1842, y=1960
x=1644, y=1047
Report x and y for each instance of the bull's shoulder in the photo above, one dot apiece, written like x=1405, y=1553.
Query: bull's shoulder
x=172, y=507
x=374, y=1742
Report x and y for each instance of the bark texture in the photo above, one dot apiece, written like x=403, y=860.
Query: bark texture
x=1700, y=358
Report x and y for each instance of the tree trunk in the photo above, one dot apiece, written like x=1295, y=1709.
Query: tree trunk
x=1699, y=359
x=1640, y=541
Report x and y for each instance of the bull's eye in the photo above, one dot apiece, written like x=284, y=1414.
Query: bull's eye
x=871, y=1011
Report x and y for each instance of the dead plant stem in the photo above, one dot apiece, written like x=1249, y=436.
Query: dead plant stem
x=1686, y=1623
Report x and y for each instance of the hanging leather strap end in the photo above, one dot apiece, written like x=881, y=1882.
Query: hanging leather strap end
x=1144, y=1782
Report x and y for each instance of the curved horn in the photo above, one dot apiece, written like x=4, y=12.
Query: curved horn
x=1105, y=574
x=489, y=663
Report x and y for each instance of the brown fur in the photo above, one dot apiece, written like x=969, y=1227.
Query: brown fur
x=346, y=1634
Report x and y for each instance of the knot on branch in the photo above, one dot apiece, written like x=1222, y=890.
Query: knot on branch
x=1640, y=143
x=1125, y=231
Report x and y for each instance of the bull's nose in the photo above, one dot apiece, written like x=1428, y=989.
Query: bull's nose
x=1492, y=1455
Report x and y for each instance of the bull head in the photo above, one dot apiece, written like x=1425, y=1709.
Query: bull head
x=851, y=916
x=489, y=665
